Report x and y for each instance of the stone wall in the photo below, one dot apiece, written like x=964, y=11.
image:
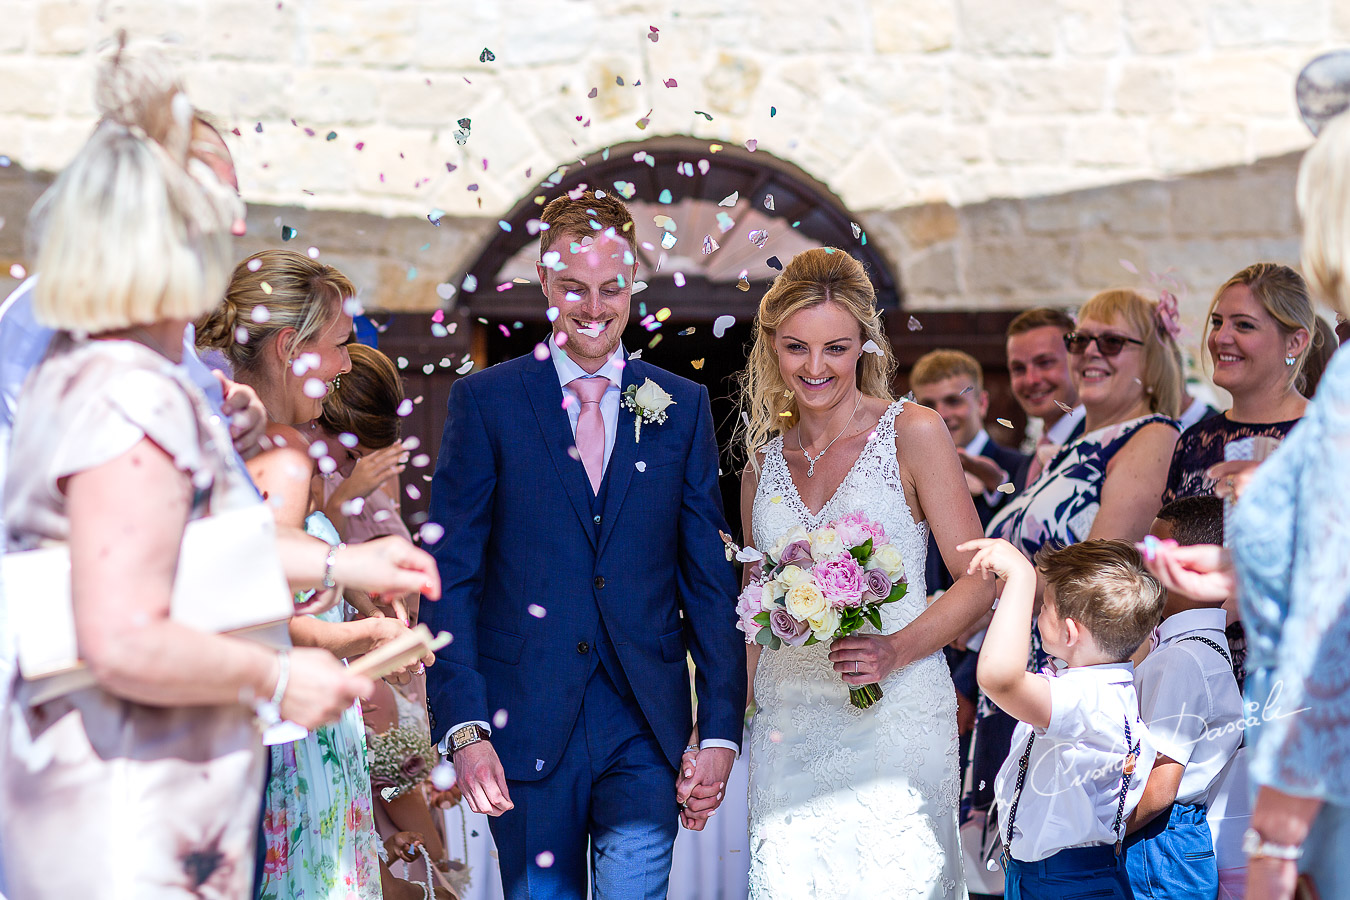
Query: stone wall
x=999, y=152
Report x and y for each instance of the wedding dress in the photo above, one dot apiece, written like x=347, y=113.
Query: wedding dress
x=850, y=803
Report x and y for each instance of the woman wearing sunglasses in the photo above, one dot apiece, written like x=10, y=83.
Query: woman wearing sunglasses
x=1124, y=360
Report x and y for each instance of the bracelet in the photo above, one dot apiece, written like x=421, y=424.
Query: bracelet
x=328, y=581
x=1255, y=846
x=269, y=711
x=692, y=748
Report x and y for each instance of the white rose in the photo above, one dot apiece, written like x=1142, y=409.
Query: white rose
x=791, y=536
x=651, y=398
x=773, y=590
x=824, y=624
x=805, y=600
x=887, y=558
x=790, y=577
x=825, y=542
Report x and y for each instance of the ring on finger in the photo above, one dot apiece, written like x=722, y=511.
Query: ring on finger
x=855, y=667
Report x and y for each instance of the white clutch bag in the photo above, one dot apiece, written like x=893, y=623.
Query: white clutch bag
x=229, y=581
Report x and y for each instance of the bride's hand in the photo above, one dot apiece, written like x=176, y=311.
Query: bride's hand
x=866, y=658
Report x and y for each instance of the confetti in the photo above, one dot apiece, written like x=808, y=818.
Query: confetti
x=499, y=719
x=469, y=284
x=464, y=369
x=668, y=240
x=721, y=324
x=730, y=199
x=768, y=202
x=678, y=278
x=857, y=230
x=774, y=262
x=670, y=83
x=640, y=466
x=313, y=252
x=443, y=776
x=536, y=610
x=709, y=245
x=751, y=145
x=544, y=860
x=1004, y=422
x=1129, y=267
x=445, y=291
x=773, y=111
x=430, y=533
x=696, y=363
x=405, y=408
x=541, y=352
x=314, y=388
x=486, y=56
x=914, y=324
x=742, y=284
x=287, y=232
x=687, y=331
x=758, y=237
x=17, y=272
x=871, y=347
x=1064, y=406
x=1006, y=488
x=654, y=34
x=332, y=136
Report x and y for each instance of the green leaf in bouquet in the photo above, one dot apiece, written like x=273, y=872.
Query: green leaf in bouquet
x=874, y=616
x=760, y=618
x=765, y=637
x=897, y=592
x=863, y=551
x=811, y=640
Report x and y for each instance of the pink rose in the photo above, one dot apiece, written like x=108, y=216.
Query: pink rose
x=840, y=579
x=855, y=529
x=787, y=629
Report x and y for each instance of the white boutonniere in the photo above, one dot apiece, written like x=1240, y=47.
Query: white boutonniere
x=648, y=403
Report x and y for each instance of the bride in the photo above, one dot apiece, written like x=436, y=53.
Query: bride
x=847, y=802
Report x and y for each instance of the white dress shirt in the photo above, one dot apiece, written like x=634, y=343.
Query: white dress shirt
x=1059, y=432
x=976, y=448
x=1190, y=700
x=1072, y=787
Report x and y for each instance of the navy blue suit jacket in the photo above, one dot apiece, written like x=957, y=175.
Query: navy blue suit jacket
x=520, y=534
x=1012, y=462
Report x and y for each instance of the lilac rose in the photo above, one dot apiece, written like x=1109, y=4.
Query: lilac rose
x=840, y=579
x=795, y=553
x=786, y=628
x=413, y=767
x=876, y=585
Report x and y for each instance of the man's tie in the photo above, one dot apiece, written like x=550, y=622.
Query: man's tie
x=1039, y=458
x=591, y=426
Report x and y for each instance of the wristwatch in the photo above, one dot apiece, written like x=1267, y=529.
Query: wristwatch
x=469, y=734
x=1253, y=845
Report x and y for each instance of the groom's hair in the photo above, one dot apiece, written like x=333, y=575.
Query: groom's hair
x=586, y=215
x=1103, y=586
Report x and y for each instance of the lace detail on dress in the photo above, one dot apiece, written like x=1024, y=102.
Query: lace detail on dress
x=847, y=802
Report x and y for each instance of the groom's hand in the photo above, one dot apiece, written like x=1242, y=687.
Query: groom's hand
x=702, y=784
x=480, y=777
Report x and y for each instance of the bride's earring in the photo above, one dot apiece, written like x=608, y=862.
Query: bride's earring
x=1290, y=360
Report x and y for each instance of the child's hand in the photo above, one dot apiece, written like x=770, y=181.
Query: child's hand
x=403, y=845
x=994, y=556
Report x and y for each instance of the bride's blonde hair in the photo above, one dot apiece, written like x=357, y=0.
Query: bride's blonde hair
x=813, y=277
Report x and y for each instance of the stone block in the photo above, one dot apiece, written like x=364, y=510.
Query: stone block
x=1249, y=85
x=994, y=220
x=933, y=272
x=1091, y=27
x=976, y=89
x=913, y=26
x=177, y=26
x=871, y=178
x=999, y=268
x=362, y=32
x=1261, y=23
x=1178, y=147
x=63, y=26
x=1138, y=209
x=896, y=86
x=1240, y=203
x=1097, y=262
x=928, y=224
x=1040, y=143
x=1163, y=26
x=1146, y=88
x=837, y=27
x=1103, y=142
x=247, y=30
x=1280, y=138
x=1055, y=88
x=407, y=100
x=242, y=94
x=37, y=87
x=451, y=37
x=1007, y=28
x=1064, y=214
x=19, y=17
x=731, y=82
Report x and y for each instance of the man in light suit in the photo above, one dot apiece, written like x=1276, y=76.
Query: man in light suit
x=580, y=561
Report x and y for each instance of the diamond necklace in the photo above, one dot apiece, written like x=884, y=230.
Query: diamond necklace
x=811, y=469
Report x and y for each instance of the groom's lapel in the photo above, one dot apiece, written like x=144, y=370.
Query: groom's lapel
x=622, y=460
x=541, y=384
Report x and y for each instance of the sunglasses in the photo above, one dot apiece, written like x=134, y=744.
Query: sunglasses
x=1076, y=342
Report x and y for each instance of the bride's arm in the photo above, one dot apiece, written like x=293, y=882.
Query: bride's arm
x=936, y=489
x=749, y=483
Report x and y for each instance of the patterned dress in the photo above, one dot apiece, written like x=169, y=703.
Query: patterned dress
x=321, y=842
x=1201, y=446
x=850, y=803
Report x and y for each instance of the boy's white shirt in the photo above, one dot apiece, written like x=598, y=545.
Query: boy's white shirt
x=1190, y=700
x=1072, y=787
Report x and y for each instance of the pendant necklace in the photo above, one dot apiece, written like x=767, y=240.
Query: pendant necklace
x=811, y=468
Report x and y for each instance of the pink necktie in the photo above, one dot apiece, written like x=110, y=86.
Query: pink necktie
x=591, y=426
x=1037, y=463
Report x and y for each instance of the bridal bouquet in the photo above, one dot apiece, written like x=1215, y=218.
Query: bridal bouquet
x=821, y=585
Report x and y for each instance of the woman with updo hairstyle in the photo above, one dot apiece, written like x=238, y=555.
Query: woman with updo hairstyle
x=1261, y=332
x=826, y=442
x=1125, y=363
x=285, y=326
x=147, y=782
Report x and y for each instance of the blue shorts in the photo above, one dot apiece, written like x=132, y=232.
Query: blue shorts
x=1173, y=856
x=1075, y=873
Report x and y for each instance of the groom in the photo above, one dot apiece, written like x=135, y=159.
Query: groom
x=580, y=561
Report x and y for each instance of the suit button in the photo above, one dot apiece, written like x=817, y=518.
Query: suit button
x=596, y=520
x=599, y=581
x=583, y=647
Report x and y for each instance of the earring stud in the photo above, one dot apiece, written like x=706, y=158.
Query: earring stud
x=1289, y=360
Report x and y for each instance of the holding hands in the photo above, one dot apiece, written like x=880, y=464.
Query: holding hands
x=702, y=782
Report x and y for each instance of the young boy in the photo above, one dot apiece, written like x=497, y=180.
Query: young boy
x=1081, y=754
x=1190, y=701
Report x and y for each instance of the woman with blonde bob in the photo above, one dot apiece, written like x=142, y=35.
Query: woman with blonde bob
x=1287, y=535
x=826, y=440
x=153, y=774
x=1108, y=483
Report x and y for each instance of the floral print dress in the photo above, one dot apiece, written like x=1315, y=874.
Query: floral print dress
x=318, y=823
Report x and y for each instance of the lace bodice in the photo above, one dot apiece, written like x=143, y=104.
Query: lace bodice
x=873, y=486
x=845, y=802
